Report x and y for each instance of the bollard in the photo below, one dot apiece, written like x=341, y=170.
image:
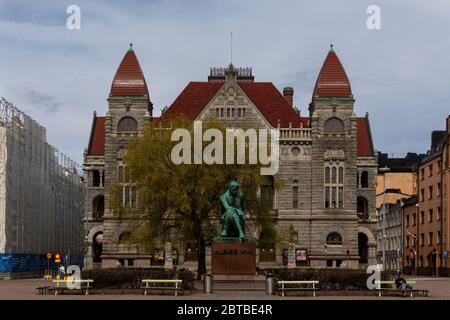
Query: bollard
x=270, y=284
x=208, y=283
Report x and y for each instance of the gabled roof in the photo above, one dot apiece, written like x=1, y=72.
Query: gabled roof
x=97, y=139
x=269, y=101
x=129, y=79
x=332, y=80
x=364, y=142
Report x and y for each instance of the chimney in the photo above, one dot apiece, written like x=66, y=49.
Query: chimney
x=288, y=94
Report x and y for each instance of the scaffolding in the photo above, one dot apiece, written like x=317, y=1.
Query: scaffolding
x=41, y=196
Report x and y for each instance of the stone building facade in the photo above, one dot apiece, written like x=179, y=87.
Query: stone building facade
x=327, y=174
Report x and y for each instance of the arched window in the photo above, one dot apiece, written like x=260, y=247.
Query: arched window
x=334, y=238
x=127, y=124
x=334, y=125
x=295, y=194
x=295, y=151
x=98, y=207
x=364, y=179
x=124, y=237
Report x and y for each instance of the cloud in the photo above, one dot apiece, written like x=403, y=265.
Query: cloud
x=43, y=101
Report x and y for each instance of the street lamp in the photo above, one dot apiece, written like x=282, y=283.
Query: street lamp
x=384, y=171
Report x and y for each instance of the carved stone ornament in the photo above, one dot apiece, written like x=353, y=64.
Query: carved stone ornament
x=334, y=154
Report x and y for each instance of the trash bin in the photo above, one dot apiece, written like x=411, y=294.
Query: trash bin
x=208, y=283
x=270, y=284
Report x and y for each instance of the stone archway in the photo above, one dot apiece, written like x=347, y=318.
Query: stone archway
x=366, y=247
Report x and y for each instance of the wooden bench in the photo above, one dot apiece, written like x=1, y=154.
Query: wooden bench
x=285, y=285
x=162, y=284
x=44, y=289
x=84, y=285
x=391, y=286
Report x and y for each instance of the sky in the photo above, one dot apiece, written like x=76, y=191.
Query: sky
x=400, y=73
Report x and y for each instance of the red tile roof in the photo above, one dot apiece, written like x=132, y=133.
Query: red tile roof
x=193, y=99
x=97, y=139
x=332, y=80
x=129, y=79
x=269, y=101
x=272, y=104
x=363, y=138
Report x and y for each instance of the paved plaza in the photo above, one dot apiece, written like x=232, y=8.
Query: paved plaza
x=25, y=289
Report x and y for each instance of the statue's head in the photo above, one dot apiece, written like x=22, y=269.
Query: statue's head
x=234, y=187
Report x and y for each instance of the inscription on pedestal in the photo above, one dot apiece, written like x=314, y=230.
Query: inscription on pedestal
x=233, y=258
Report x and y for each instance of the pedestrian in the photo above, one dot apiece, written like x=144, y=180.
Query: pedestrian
x=62, y=272
x=401, y=283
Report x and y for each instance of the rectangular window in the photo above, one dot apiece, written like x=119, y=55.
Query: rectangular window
x=430, y=215
x=422, y=195
x=407, y=220
x=414, y=219
x=333, y=198
x=422, y=173
x=327, y=197
x=120, y=174
x=439, y=166
x=217, y=112
x=239, y=112
x=243, y=112
x=221, y=112
x=438, y=214
x=232, y=112
x=407, y=241
x=422, y=239
x=329, y=263
x=438, y=239
x=422, y=217
x=430, y=192
x=438, y=189
x=228, y=112
x=430, y=170
x=295, y=197
x=334, y=186
x=430, y=238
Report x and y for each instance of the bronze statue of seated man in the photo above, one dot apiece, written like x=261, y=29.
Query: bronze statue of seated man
x=233, y=212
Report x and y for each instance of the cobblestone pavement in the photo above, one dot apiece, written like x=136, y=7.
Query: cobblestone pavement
x=26, y=289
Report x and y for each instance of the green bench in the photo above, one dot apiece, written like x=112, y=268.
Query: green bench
x=390, y=286
x=83, y=284
x=162, y=285
x=293, y=285
x=44, y=289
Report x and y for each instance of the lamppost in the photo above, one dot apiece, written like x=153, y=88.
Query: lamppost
x=384, y=171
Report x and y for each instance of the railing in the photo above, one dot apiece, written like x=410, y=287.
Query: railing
x=295, y=133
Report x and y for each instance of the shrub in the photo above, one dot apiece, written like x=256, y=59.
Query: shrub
x=329, y=279
x=132, y=278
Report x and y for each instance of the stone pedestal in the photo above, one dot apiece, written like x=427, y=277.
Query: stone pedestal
x=233, y=258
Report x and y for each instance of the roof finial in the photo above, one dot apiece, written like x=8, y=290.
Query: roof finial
x=131, y=46
x=331, y=48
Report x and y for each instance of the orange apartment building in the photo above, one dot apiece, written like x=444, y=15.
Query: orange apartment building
x=428, y=240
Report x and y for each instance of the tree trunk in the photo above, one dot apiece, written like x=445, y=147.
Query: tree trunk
x=201, y=262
